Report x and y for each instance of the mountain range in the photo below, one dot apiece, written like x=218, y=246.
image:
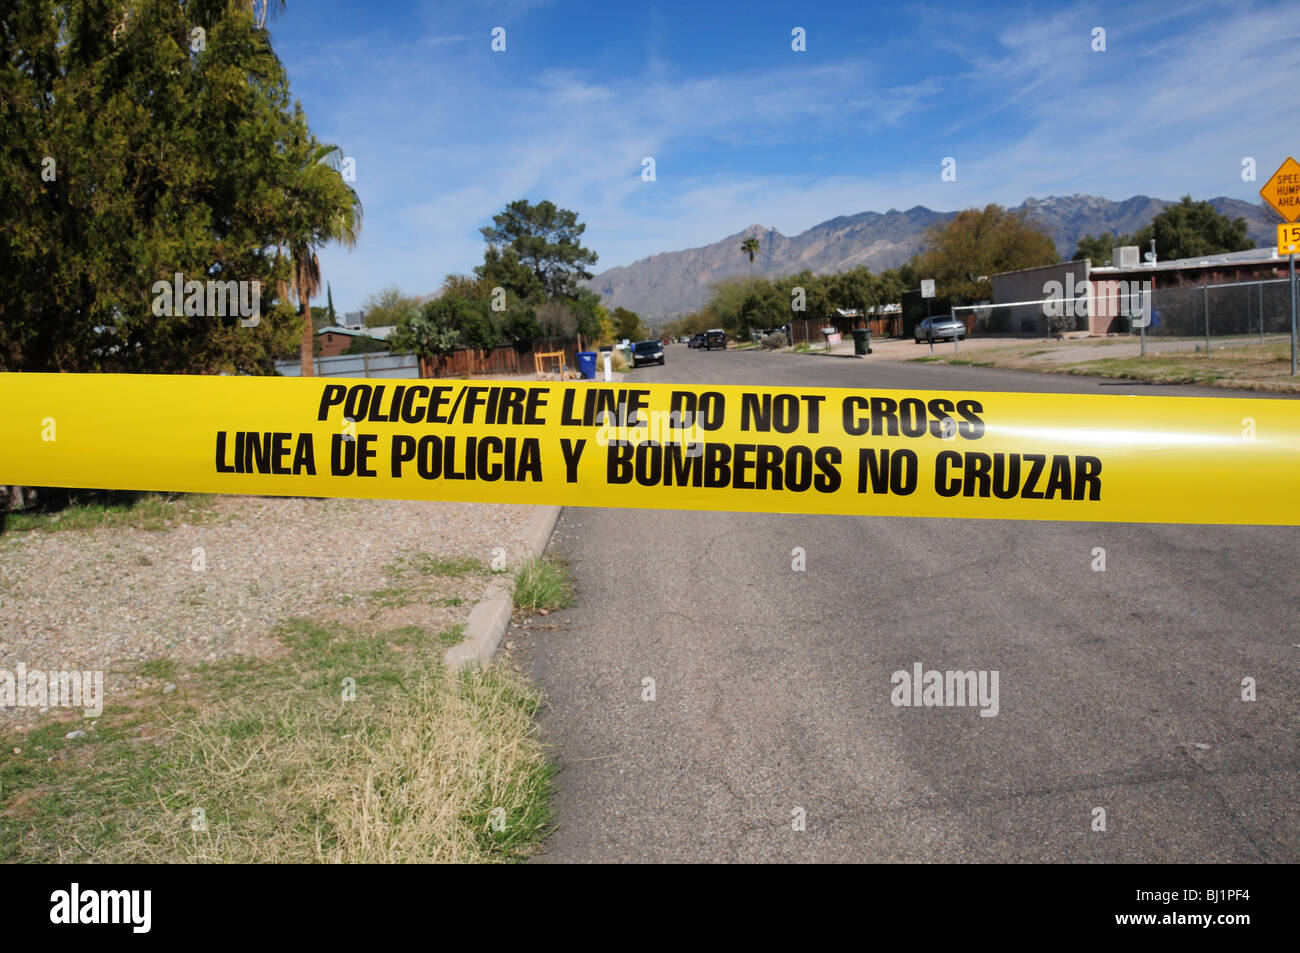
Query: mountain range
x=678, y=282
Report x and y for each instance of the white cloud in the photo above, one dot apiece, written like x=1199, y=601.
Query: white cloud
x=445, y=141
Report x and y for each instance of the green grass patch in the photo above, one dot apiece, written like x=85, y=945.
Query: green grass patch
x=391, y=597
x=395, y=597
x=1231, y=362
x=91, y=509
x=1182, y=367
x=543, y=583
x=419, y=635
x=162, y=668
x=1263, y=366
x=450, y=567
x=350, y=747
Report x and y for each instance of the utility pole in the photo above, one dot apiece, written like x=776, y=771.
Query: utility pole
x=1146, y=318
x=1293, y=355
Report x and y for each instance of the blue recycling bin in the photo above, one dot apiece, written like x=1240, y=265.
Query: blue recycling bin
x=587, y=364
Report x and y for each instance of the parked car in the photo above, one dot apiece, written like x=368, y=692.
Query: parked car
x=938, y=328
x=715, y=338
x=647, y=352
x=696, y=341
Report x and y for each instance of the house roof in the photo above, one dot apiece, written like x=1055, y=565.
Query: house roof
x=379, y=334
x=1249, y=257
x=877, y=310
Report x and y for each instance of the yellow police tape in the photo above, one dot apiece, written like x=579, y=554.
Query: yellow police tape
x=771, y=449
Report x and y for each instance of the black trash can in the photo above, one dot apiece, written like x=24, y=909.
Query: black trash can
x=862, y=341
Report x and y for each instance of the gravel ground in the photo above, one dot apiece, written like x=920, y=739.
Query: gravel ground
x=109, y=599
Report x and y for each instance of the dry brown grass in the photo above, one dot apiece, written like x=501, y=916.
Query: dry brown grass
x=263, y=761
x=1235, y=363
x=419, y=783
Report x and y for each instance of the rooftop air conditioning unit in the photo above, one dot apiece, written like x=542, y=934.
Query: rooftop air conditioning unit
x=1125, y=256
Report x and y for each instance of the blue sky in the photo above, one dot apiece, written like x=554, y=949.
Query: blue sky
x=744, y=130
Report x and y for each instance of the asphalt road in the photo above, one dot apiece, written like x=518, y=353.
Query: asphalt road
x=1119, y=690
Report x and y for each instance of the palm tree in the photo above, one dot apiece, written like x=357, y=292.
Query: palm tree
x=260, y=9
x=206, y=11
x=750, y=247
x=322, y=208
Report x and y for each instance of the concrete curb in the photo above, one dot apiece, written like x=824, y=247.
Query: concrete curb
x=824, y=354
x=491, y=615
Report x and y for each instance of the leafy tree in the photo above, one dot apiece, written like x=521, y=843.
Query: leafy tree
x=427, y=333
x=604, y=325
x=518, y=323
x=161, y=160
x=362, y=344
x=557, y=321
x=1100, y=248
x=892, y=288
x=963, y=253
x=760, y=309
x=542, y=239
x=1192, y=229
x=895, y=281
x=856, y=289
x=470, y=308
x=627, y=324
x=586, y=308
x=816, y=296
x=502, y=268
x=385, y=308
x=486, y=319
x=740, y=305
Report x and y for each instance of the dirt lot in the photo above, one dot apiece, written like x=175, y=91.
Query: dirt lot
x=1232, y=362
x=214, y=578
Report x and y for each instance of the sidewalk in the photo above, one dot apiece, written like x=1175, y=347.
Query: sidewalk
x=1045, y=352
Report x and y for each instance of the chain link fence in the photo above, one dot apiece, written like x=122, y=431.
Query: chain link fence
x=1247, y=307
x=1214, y=310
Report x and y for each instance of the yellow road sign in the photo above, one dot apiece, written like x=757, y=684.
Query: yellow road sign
x=1288, y=239
x=1282, y=191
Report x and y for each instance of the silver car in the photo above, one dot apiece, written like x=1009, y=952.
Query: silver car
x=940, y=327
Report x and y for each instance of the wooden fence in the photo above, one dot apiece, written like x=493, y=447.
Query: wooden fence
x=808, y=330
x=462, y=362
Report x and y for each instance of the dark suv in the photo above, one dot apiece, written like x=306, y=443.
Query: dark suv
x=714, y=339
